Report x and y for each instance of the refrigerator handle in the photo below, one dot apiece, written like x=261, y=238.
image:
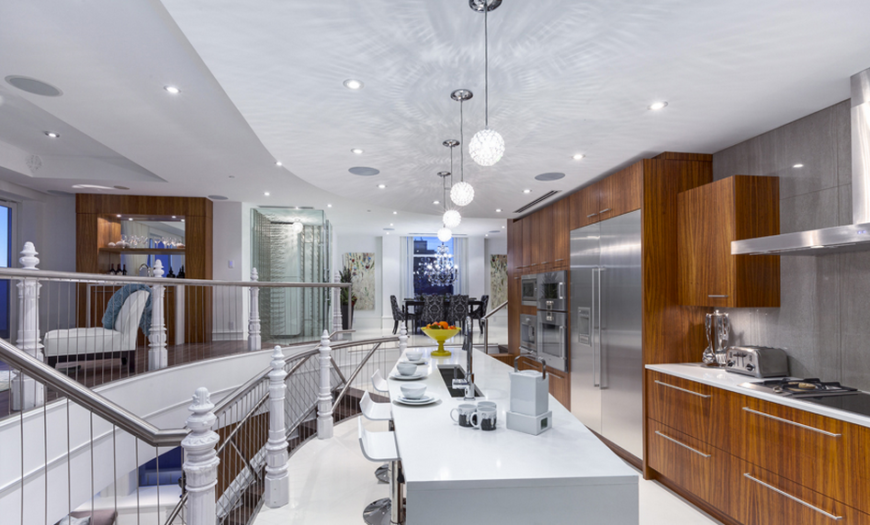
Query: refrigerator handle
x=596, y=382
x=600, y=328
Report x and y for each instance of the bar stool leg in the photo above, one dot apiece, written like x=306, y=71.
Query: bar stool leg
x=397, y=492
x=383, y=473
x=378, y=512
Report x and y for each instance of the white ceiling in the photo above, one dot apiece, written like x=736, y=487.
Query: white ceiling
x=262, y=80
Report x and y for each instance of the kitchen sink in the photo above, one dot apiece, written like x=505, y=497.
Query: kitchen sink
x=448, y=373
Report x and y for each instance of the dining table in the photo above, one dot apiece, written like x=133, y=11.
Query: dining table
x=411, y=302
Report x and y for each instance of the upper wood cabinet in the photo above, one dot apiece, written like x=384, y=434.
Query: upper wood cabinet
x=584, y=206
x=561, y=235
x=710, y=217
x=621, y=192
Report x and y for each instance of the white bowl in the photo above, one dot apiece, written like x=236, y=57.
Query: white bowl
x=413, y=391
x=414, y=355
x=406, y=369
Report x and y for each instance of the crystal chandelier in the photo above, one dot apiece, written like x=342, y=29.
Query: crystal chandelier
x=486, y=147
x=442, y=272
x=461, y=193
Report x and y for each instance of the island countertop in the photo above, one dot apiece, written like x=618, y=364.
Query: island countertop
x=439, y=457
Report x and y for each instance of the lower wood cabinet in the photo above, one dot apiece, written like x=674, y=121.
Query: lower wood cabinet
x=757, y=462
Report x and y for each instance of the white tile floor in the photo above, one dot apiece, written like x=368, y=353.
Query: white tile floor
x=331, y=482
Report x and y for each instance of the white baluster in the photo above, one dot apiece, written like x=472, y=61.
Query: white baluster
x=201, y=461
x=254, y=341
x=277, y=493
x=324, y=398
x=26, y=392
x=158, y=357
x=403, y=337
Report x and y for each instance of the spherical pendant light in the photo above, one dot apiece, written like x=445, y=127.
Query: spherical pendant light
x=298, y=227
x=451, y=218
x=444, y=234
x=462, y=194
x=486, y=147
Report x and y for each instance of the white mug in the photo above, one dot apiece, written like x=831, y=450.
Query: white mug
x=463, y=414
x=483, y=418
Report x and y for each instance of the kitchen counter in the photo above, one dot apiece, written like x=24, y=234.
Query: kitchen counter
x=719, y=378
x=466, y=475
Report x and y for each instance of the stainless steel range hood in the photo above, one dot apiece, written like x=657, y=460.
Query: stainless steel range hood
x=839, y=239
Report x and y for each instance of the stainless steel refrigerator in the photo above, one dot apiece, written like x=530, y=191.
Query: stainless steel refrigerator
x=606, y=318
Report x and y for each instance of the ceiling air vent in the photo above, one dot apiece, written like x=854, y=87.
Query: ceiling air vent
x=537, y=201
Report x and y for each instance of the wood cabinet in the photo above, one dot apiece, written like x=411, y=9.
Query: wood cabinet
x=560, y=382
x=584, y=206
x=561, y=235
x=620, y=193
x=710, y=217
x=528, y=242
x=781, y=465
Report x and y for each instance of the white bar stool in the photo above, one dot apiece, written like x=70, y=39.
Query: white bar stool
x=380, y=384
x=378, y=447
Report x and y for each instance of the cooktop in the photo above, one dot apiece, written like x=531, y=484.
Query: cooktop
x=829, y=394
x=857, y=402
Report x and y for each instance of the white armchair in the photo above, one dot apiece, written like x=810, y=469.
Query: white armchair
x=83, y=344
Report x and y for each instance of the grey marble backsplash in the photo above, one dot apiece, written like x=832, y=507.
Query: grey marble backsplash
x=824, y=320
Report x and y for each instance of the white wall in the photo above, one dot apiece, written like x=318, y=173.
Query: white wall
x=478, y=267
x=391, y=271
x=230, y=303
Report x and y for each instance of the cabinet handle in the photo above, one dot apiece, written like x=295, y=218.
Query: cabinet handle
x=606, y=210
x=546, y=262
x=717, y=296
x=591, y=215
x=781, y=420
x=669, y=438
x=557, y=260
x=683, y=390
x=789, y=496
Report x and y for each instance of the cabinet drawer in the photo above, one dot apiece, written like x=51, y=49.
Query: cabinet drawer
x=778, y=501
x=804, y=448
x=686, y=406
x=694, y=465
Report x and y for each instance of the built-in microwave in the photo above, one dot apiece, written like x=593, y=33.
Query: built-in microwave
x=528, y=327
x=552, y=339
x=552, y=291
x=530, y=290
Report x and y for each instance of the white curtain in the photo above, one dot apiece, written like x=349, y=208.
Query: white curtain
x=406, y=266
x=460, y=258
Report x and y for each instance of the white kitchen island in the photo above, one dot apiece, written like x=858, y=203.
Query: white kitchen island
x=459, y=475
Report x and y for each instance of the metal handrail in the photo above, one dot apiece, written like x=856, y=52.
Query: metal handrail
x=91, y=400
x=486, y=326
x=7, y=273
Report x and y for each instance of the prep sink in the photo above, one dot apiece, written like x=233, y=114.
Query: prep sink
x=451, y=372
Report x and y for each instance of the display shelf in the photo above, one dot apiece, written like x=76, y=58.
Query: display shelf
x=143, y=251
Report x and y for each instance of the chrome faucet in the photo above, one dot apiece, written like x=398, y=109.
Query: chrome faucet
x=468, y=346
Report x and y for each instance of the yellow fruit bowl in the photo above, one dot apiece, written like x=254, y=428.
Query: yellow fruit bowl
x=440, y=336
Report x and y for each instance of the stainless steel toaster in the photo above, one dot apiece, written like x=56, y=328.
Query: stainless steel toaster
x=757, y=361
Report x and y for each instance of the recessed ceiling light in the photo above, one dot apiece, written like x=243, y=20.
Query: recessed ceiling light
x=578, y=156
x=527, y=191
x=382, y=186
x=487, y=235
x=182, y=220
x=798, y=166
x=357, y=151
x=119, y=216
x=172, y=216
x=502, y=227
x=329, y=205
x=655, y=106
x=388, y=233
x=353, y=84
x=278, y=163
x=436, y=202
x=52, y=134
x=395, y=213
x=130, y=219
x=172, y=89
x=266, y=193
x=391, y=224
x=498, y=210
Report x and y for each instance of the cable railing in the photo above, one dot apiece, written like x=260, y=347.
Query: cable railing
x=98, y=328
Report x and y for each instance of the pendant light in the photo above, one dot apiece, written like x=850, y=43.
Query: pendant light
x=487, y=146
x=461, y=193
x=451, y=217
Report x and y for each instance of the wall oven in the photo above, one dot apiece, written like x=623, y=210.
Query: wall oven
x=552, y=338
x=528, y=328
x=552, y=291
x=530, y=290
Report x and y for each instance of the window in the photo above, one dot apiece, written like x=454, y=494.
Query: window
x=424, y=254
x=5, y=260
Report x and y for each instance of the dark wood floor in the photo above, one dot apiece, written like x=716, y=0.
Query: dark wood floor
x=95, y=373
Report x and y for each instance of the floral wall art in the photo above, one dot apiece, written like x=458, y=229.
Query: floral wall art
x=362, y=269
x=497, y=280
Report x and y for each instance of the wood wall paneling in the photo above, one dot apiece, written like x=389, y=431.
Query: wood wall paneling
x=528, y=240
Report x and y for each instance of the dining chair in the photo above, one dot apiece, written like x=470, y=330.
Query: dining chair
x=398, y=316
x=458, y=311
x=479, y=312
x=433, y=309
